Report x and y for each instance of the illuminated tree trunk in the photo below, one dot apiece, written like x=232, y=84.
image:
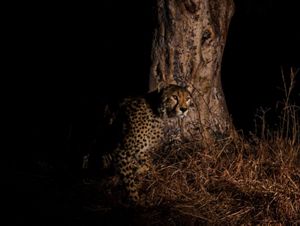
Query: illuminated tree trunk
x=187, y=50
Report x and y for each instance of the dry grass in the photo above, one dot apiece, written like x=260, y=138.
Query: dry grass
x=234, y=181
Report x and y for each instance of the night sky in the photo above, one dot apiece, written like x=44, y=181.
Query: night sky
x=264, y=37
x=67, y=60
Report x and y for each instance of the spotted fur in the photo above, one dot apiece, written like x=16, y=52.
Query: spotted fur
x=142, y=122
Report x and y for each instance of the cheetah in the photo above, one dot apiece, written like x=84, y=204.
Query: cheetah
x=142, y=122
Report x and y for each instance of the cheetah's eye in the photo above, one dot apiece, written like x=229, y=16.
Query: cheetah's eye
x=175, y=97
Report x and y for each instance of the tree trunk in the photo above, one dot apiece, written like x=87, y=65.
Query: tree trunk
x=187, y=50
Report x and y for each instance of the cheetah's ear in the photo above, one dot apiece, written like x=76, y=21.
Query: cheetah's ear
x=161, y=85
x=164, y=84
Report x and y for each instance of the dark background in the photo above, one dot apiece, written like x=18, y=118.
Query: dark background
x=71, y=57
x=67, y=60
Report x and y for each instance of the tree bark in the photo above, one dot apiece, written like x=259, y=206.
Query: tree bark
x=187, y=49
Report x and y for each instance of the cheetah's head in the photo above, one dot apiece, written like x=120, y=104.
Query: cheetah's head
x=176, y=101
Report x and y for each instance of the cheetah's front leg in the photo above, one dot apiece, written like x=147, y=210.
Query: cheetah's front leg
x=143, y=161
x=125, y=165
